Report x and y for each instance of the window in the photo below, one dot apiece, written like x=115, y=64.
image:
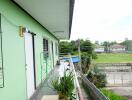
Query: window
x=56, y=47
x=45, y=47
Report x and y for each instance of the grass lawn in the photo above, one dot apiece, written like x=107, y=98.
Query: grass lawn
x=113, y=58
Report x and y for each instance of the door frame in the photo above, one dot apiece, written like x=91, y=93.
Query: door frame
x=33, y=42
x=33, y=50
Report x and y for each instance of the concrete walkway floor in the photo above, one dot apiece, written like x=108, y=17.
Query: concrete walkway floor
x=46, y=86
x=44, y=89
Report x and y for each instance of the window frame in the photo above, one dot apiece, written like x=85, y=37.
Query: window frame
x=46, y=47
x=56, y=48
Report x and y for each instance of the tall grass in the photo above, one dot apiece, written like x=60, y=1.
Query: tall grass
x=112, y=95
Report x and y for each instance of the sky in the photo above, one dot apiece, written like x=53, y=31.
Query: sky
x=102, y=20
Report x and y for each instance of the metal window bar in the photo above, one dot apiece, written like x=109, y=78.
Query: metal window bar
x=56, y=47
x=46, y=46
x=45, y=62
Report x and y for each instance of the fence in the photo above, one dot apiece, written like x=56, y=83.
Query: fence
x=117, y=74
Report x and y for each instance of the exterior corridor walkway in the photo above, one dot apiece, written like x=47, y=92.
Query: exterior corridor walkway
x=84, y=93
x=46, y=87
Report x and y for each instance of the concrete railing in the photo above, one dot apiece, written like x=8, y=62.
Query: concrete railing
x=78, y=89
x=113, y=64
x=76, y=83
x=94, y=92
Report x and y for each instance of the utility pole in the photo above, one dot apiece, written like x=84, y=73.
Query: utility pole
x=79, y=55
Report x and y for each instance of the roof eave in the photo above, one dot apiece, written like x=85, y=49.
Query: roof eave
x=72, y=2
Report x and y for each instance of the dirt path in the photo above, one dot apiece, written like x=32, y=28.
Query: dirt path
x=123, y=91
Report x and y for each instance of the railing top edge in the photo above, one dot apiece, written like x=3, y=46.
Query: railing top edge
x=94, y=89
x=115, y=63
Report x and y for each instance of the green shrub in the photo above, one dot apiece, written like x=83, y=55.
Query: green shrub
x=65, y=85
x=97, y=78
x=112, y=95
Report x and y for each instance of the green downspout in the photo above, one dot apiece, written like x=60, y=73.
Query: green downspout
x=46, y=68
x=1, y=52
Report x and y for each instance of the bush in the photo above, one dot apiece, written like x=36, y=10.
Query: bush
x=65, y=85
x=97, y=78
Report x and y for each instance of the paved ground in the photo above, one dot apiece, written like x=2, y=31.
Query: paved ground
x=123, y=91
x=119, y=78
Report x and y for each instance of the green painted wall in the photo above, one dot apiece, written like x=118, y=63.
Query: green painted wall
x=13, y=50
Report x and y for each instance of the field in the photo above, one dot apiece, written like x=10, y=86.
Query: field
x=113, y=58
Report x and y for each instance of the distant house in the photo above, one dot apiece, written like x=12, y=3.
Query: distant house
x=117, y=48
x=99, y=49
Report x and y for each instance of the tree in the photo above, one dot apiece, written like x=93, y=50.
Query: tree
x=113, y=42
x=65, y=47
x=74, y=45
x=96, y=42
x=106, y=46
x=87, y=46
x=128, y=44
x=87, y=54
x=87, y=51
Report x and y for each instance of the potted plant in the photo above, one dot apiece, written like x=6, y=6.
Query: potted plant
x=65, y=86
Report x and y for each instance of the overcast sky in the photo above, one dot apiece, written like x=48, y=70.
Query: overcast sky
x=103, y=20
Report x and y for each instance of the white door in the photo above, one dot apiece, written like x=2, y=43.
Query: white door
x=29, y=64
